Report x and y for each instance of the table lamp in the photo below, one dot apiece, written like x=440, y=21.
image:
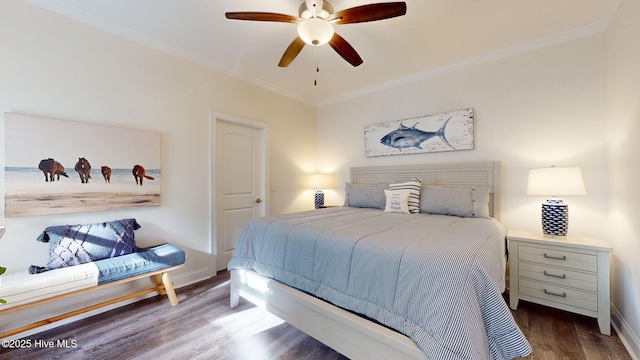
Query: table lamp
x=554, y=181
x=320, y=182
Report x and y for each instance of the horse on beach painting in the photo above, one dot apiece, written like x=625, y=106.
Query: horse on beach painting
x=84, y=145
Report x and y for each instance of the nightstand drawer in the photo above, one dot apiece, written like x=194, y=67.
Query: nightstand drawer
x=559, y=276
x=559, y=257
x=559, y=294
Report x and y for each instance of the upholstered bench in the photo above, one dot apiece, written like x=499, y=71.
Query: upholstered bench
x=80, y=270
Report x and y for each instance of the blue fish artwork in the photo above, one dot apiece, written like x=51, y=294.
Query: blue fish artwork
x=447, y=131
x=408, y=137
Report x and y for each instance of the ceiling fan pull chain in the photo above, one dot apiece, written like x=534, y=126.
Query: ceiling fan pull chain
x=315, y=76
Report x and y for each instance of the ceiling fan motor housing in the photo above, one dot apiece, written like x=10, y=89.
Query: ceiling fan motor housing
x=305, y=12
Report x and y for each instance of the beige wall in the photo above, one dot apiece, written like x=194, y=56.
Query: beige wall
x=623, y=128
x=55, y=67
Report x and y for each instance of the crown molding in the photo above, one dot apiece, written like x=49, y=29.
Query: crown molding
x=90, y=19
x=536, y=44
x=609, y=10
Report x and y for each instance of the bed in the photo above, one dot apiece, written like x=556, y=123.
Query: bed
x=375, y=284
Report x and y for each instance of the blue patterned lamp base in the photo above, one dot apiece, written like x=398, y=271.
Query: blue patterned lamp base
x=555, y=218
x=319, y=199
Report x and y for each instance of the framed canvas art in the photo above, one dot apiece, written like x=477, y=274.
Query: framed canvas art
x=56, y=166
x=449, y=131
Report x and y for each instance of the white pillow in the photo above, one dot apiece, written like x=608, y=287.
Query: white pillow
x=397, y=201
x=413, y=186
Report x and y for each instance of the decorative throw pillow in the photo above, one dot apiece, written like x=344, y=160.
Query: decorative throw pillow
x=464, y=201
x=78, y=244
x=397, y=201
x=413, y=186
x=365, y=195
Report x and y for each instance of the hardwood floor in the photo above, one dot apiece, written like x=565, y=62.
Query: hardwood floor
x=203, y=326
x=556, y=334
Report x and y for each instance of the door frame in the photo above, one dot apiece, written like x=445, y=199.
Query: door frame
x=214, y=118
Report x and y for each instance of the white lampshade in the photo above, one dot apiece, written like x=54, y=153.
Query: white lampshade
x=320, y=181
x=315, y=31
x=556, y=181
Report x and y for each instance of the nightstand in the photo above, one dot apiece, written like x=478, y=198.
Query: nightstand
x=571, y=274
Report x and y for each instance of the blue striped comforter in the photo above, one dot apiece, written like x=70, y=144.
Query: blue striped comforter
x=437, y=279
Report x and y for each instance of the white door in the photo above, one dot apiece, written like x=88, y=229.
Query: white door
x=240, y=183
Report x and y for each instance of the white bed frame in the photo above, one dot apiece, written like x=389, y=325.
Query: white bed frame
x=345, y=332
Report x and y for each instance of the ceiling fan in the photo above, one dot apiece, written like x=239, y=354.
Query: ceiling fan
x=315, y=25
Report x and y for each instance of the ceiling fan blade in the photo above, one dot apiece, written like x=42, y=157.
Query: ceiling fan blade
x=262, y=16
x=292, y=51
x=370, y=12
x=344, y=49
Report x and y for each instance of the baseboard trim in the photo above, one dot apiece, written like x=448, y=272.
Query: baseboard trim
x=629, y=338
x=187, y=278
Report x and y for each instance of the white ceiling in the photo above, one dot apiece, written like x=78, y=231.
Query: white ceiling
x=435, y=36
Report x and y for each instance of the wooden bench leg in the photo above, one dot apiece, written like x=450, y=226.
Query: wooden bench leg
x=166, y=287
x=157, y=280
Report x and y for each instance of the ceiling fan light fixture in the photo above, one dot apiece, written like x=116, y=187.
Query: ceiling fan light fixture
x=315, y=31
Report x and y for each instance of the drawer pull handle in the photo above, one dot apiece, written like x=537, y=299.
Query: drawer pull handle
x=564, y=295
x=564, y=257
x=563, y=276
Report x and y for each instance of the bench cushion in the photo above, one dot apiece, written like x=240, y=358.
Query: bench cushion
x=148, y=260
x=22, y=288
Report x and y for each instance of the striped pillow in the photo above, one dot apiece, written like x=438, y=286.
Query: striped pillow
x=414, y=193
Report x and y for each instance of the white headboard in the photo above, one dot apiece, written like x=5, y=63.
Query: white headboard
x=475, y=173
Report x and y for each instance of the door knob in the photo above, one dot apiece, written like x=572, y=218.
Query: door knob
x=258, y=201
